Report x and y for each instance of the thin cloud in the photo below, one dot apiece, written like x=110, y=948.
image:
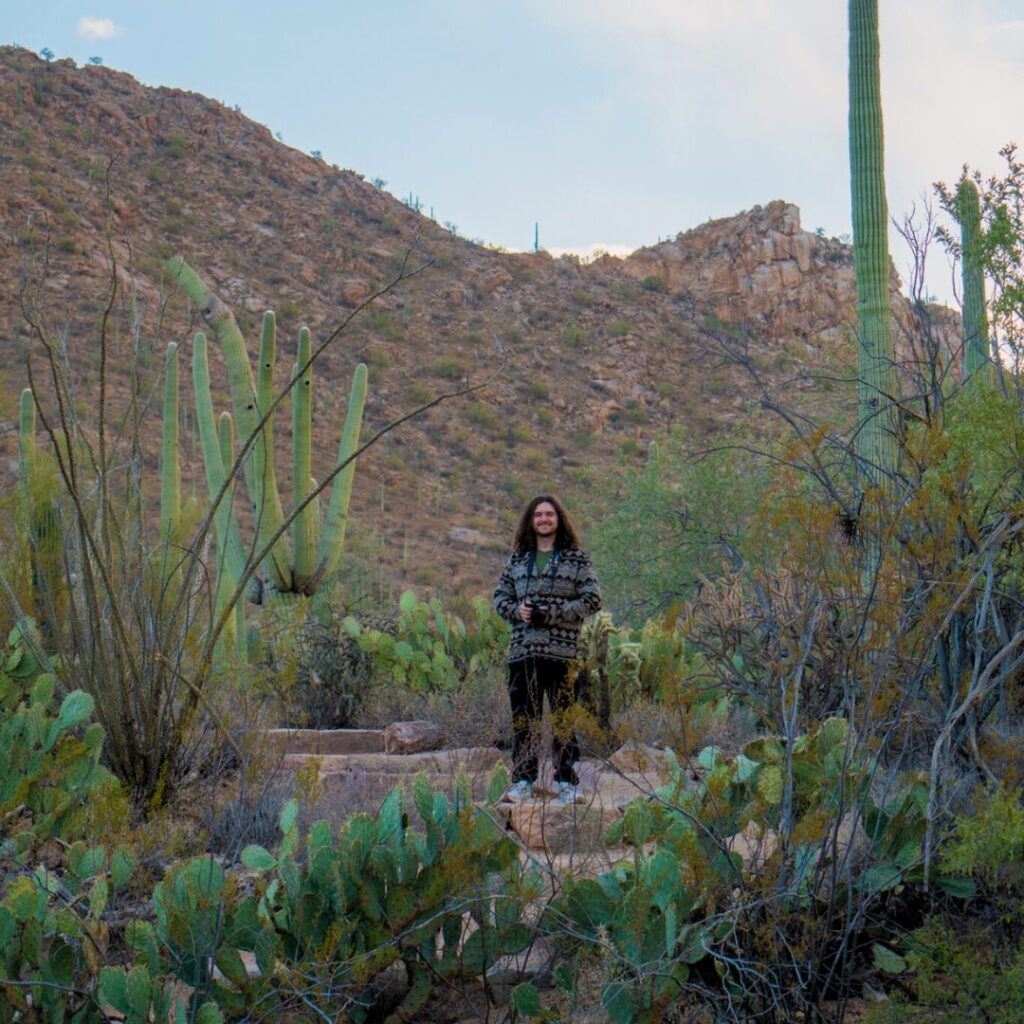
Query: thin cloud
x=98, y=28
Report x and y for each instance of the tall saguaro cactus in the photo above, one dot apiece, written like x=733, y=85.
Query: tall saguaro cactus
x=876, y=447
x=316, y=551
x=976, y=341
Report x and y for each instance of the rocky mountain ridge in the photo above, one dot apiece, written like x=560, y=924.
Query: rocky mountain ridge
x=104, y=178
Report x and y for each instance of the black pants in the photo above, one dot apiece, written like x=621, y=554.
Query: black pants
x=528, y=681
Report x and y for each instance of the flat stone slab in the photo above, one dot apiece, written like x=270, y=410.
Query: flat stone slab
x=329, y=741
x=444, y=762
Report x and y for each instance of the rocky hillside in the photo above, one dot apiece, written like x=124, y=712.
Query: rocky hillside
x=104, y=178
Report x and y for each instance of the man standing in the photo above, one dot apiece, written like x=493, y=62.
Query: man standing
x=547, y=589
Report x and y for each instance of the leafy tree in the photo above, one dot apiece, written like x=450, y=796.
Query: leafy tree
x=680, y=518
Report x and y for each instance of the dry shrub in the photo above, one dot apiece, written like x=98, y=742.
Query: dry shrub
x=476, y=714
x=686, y=726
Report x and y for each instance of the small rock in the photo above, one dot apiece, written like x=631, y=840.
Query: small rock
x=870, y=994
x=532, y=965
x=464, y=535
x=639, y=757
x=754, y=845
x=354, y=291
x=413, y=737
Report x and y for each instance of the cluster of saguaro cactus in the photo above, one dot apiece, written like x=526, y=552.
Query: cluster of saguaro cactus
x=976, y=342
x=876, y=449
x=301, y=567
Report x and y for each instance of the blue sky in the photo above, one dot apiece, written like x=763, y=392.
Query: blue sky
x=610, y=122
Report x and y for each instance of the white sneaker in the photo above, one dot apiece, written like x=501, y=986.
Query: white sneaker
x=518, y=791
x=567, y=793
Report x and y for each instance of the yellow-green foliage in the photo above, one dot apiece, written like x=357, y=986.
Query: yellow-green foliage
x=990, y=843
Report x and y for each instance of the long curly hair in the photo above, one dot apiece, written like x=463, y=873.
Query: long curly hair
x=525, y=538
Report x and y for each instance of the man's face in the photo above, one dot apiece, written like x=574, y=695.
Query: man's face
x=545, y=520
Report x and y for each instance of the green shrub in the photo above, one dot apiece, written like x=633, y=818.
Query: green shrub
x=480, y=414
x=383, y=324
x=419, y=392
x=448, y=367
x=574, y=336
x=653, y=283
x=177, y=144
x=990, y=843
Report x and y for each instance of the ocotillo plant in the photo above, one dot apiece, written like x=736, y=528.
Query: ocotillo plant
x=976, y=343
x=313, y=560
x=876, y=448
x=37, y=523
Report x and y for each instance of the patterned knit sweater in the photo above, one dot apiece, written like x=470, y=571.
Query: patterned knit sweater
x=568, y=586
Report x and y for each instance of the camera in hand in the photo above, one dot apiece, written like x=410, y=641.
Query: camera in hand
x=538, y=614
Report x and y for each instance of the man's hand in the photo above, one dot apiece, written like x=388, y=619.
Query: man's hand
x=525, y=609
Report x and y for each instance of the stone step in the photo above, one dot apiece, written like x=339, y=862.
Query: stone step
x=354, y=782
x=328, y=741
x=445, y=762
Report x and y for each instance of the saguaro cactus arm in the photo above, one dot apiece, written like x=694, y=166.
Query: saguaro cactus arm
x=876, y=448
x=303, y=530
x=170, y=469
x=231, y=557
x=265, y=501
x=269, y=509
x=332, y=539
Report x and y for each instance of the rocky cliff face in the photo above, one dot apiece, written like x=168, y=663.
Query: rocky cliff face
x=761, y=268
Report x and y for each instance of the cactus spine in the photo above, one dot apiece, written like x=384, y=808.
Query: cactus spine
x=876, y=450
x=976, y=341
x=315, y=558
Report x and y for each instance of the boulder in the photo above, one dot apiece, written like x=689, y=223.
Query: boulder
x=561, y=828
x=355, y=290
x=640, y=757
x=465, y=535
x=413, y=737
